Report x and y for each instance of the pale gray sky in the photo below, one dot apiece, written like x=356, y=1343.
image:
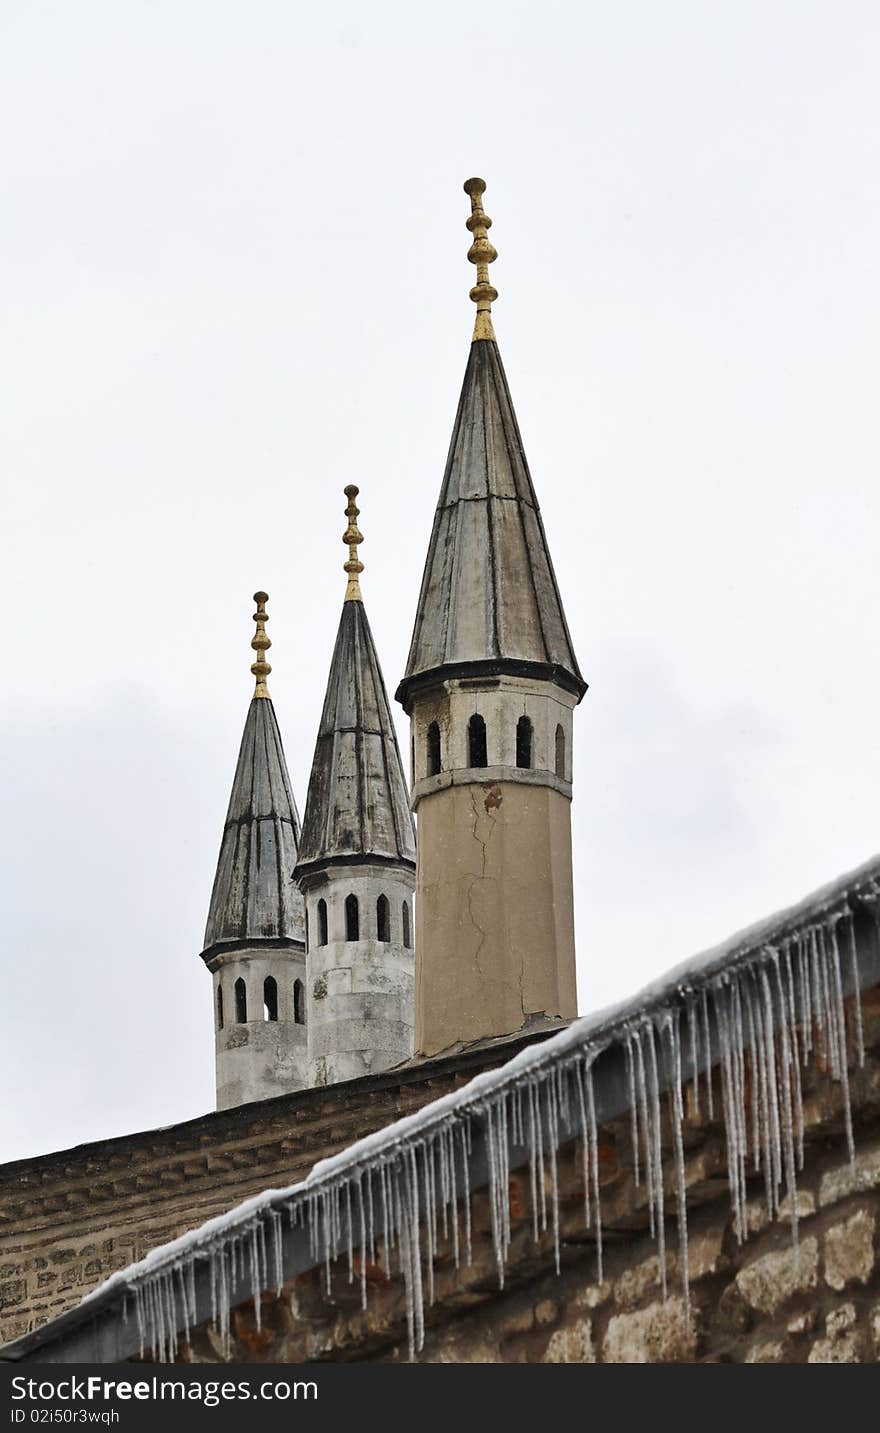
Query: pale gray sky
x=234, y=276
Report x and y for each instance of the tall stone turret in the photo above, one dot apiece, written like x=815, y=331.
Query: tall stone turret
x=255, y=936
x=490, y=687
x=357, y=861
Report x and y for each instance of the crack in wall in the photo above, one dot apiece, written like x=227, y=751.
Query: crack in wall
x=489, y=809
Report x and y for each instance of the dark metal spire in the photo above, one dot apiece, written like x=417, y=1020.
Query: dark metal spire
x=254, y=896
x=358, y=804
x=489, y=600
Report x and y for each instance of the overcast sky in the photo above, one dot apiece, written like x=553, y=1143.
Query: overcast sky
x=234, y=278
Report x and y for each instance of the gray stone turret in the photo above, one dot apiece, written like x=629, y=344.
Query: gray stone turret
x=356, y=865
x=490, y=687
x=255, y=935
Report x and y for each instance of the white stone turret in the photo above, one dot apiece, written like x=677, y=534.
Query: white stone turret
x=255, y=935
x=356, y=865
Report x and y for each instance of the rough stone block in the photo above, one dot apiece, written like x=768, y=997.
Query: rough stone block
x=546, y=1312
x=771, y=1351
x=12, y=1293
x=849, y=1250
x=770, y=1281
x=660, y=1333
x=592, y=1296
x=840, y=1320
x=863, y=1173
x=837, y=1350
x=571, y=1345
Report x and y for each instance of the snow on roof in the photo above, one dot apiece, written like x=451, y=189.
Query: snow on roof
x=766, y=989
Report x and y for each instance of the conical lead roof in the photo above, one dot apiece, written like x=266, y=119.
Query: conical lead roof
x=489, y=599
x=357, y=805
x=254, y=896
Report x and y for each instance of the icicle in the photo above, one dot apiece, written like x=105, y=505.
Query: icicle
x=857, y=993
x=634, y=1119
x=585, y=1138
x=646, y=1130
x=787, y=1110
x=797, y=1093
x=594, y=1152
x=840, y=1022
x=693, y=1025
x=672, y=1027
x=707, y=1049
x=657, y=1141
x=553, y=1127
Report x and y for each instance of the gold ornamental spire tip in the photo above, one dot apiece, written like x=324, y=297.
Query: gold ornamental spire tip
x=260, y=643
x=481, y=253
x=353, y=537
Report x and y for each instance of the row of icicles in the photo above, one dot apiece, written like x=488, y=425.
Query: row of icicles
x=762, y=1022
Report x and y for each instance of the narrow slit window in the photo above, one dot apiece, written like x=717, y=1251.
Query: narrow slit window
x=407, y=932
x=299, y=1003
x=524, y=743
x=270, y=998
x=560, y=751
x=322, y=922
x=434, y=760
x=477, y=741
x=219, y=1007
x=352, y=919
x=240, y=1002
x=383, y=920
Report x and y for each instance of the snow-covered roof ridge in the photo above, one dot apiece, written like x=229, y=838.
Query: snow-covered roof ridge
x=753, y=992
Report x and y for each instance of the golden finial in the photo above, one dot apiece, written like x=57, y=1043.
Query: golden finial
x=354, y=537
x=481, y=253
x=260, y=642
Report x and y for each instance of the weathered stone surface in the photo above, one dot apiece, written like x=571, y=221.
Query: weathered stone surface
x=638, y=1283
x=643, y=1280
x=571, y=1345
x=12, y=1293
x=772, y=1351
x=758, y=1216
x=470, y=1351
x=593, y=1296
x=863, y=1173
x=546, y=1311
x=518, y=1322
x=770, y=1281
x=802, y=1323
x=734, y=1314
x=849, y=1250
x=837, y=1350
x=660, y=1333
x=840, y=1320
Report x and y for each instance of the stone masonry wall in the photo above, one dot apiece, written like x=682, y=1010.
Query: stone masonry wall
x=68, y=1220
x=763, y=1301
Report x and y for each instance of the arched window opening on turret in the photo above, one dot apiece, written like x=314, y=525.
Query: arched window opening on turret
x=307, y=927
x=322, y=922
x=240, y=1001
x=407, y=932
x=270, y=999
x=352, y=919
x=219, y=1007
x=434, y=760
x=383, y=920
x=477, y=741
x=524, y=743
x=560, y=751
x=299, y=1003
